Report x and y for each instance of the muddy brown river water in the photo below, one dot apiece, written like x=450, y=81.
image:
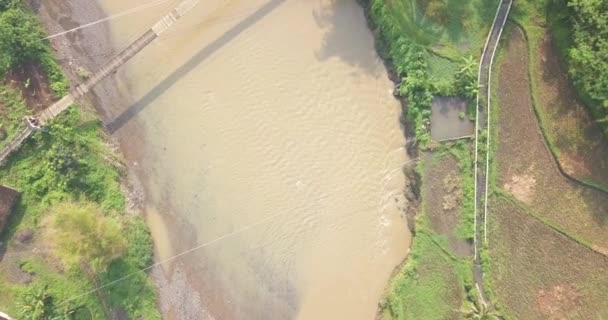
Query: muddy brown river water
x=265, y=129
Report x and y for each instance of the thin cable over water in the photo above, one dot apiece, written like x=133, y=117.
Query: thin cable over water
x=200, y=246
x=112, y=17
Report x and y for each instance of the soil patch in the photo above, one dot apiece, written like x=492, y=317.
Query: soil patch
x=583, y=149
x=522, y=187
x=33, y=84
x=557, y=301
x=443, y=197
x=525, y=164
x=539, y=273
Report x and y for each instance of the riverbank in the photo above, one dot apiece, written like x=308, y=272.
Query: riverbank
x=431, y=58
x=71, y=182
x=74, y=53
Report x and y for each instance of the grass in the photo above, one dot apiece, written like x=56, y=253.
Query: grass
x=12, y=111
x=565, y=115
x=455, y=28
x=526, y=167
x=538, y=262
x=69, y=161
x=425, y=48
x=463, y=153
x=430, y=286
x=423, y=45
x=436, y=281
x=93, y=178
x=540, y=273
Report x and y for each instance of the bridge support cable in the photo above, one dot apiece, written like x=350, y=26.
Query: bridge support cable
x=80, y=90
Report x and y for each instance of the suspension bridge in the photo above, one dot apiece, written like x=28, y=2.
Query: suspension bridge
x=37, y=122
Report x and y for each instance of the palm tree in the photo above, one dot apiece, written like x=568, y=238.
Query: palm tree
x=468, y=65
x=35, y=305
x=480, y=311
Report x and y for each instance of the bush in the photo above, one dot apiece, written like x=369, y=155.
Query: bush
x=58, y=81
x=409, y=60
x=588, y=52
x=20, y=38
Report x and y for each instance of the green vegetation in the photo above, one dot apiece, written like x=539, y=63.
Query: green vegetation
x=431, y=277
x=423, y=39
x=21, y=42
x=12, y=111
x=588, y=52
x=434, y=283
x=463, y=154
x=433, y=46
x=71, y=201
x=451, y=28
x=50, y=174
x=83, y=236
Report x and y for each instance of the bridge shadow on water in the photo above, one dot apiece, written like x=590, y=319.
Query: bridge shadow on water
x=132, y=111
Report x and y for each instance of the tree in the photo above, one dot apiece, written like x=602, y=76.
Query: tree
x=37, y=304
x=466, y=78
x=21, y=38
x=480, y=311
x=82, y=235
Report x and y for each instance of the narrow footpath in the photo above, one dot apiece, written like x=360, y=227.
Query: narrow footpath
x=482, y=124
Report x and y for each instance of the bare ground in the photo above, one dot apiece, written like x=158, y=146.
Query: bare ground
x=527, y=168
x=443, y=197
x=583, y=149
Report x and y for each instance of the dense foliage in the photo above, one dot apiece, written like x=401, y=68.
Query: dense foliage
x=410, y=64
x=20, y=38
x=588, y=56
x=22, y=41
x=9, y=4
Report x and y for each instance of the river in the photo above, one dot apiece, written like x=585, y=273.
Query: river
x=265, y=131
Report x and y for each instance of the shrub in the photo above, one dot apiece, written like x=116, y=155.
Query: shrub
x=20, y=38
